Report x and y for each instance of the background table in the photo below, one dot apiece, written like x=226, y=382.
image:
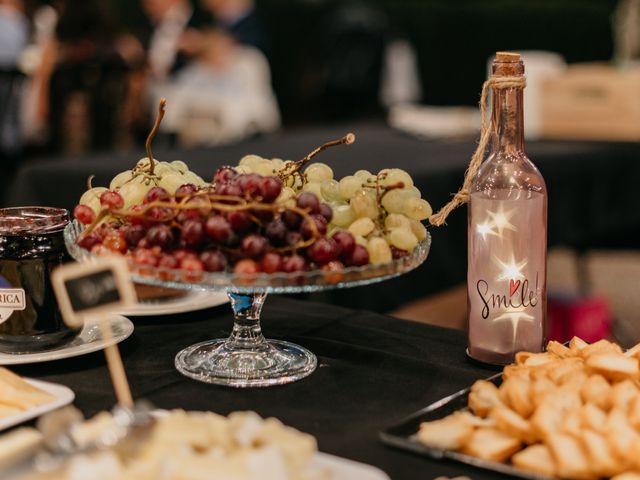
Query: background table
x=593, y=200
x=373, y=370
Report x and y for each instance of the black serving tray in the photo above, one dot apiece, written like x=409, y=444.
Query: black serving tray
x=403, y=435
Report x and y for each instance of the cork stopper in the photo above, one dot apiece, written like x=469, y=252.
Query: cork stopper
x=508, y=64
x=507, y=57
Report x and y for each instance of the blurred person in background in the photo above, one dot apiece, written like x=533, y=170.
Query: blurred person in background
x=169, y=21
x=14, y=37
x=82, y=79
x=240, y=19
x=223, y=95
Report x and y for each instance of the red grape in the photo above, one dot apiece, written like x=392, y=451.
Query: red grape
x=218, y=228
x=228, y=189
x=145, y=256
x=136, y=220
x=90, y=240
x=157, y=194
x=193, y=266
x=240, y=221
x=309, y=202
x=160, y=235
x=276, y=232
x=168, y=261
x=398, y=252
x=84, y=214
x=224, y=175
x=159, y=214
x=182, y=253
x=192, y=232
x=326, y=212
x=133, y=234
x=112, y=200
x=345, y=242
x=115, y=243
x=185, y=190
x=250, y=184
x=321, y=226
x=254, y=246
x=359, y=257
x=294, y=263
x=334, y=271
x=293, y=238
x=213, y=260
x=247, y=266
x=270, y=188
x=271, y=262
x=323, y=250
x=291, y=219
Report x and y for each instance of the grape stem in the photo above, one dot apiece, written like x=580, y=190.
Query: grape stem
x=293, y=168
x=214, y=204
x=89, y=182
x=161, y=108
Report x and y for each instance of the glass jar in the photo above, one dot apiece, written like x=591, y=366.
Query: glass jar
x=31, y=246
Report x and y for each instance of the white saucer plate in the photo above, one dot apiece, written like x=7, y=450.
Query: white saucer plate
x=62, y=396
x=89, y=340
x=192, y=301
x=340, y=468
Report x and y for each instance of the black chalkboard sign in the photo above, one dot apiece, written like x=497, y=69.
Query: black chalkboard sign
x=95, y=290
x=91, y=289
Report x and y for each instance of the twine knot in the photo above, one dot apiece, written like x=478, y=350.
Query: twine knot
x=464, y=193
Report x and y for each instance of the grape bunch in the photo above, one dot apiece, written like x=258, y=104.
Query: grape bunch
x=237, y=224
x=383, y=212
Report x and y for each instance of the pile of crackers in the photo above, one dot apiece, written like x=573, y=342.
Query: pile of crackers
x=16, y=395
x=571, y=412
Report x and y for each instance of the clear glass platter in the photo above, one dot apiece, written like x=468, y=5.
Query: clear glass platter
x=246, y=358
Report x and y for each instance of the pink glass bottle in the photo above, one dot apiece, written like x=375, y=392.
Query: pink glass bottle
x=507, y=235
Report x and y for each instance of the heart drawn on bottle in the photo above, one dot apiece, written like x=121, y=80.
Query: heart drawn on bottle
x=513, y=286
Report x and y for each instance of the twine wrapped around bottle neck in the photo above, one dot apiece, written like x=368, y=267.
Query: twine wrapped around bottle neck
x=462, y=197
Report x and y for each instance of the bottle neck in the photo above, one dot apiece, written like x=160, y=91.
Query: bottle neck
x=507, y=122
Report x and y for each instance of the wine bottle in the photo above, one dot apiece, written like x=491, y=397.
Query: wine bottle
x=507, y=232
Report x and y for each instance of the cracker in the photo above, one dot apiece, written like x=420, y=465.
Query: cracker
x=491, y=444
x=536, y=459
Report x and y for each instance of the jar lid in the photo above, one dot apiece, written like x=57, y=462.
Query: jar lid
x=32, y=220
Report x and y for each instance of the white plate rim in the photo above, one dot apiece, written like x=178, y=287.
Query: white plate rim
x=192, y=301
x=345, y=469
x=63, y=396
x=73, y=350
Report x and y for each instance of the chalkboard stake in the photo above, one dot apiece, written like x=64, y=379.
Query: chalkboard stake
x=116, y=368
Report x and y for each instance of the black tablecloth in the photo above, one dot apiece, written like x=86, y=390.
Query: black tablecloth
x=593, y=200
x=373, y=370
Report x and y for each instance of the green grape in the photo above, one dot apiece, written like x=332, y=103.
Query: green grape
x=171, y=182
x=379, y=251
x=363, y=175
x=243, y=169
x=417, y=208
x=92, y=194
x=278, y=164
x=402, y=238
x=362, y=226
x=120, y=179
x=250, y=161
x=413, y=192
x=330, y=191
x=133, y=193
x=286, y=194
x=396, y=175
x=192, y=177
x=343, y=215
x=418, y=229
x=164, y=168
x=360, y=240
x=364, y=204
x=314, y=188
x=142, y=164
x=264, y=167
x=349, y=185
x=394, y=200
x=318, y=172
x=180, y=166
x=397, y=220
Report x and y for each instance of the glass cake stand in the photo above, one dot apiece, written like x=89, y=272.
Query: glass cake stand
x=246, y=358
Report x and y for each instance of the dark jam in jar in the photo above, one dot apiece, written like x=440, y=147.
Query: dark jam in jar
x=31, y=246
